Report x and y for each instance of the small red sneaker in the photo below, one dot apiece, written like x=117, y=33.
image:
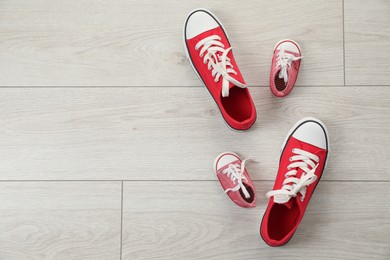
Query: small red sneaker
x=286, y=61
x=235, y=179
x=210, y=54
x=301, y=165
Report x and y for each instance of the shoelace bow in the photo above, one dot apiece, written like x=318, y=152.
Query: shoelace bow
x=293, y=185
x=236, y=174
x=217, y=60
x=284, y=61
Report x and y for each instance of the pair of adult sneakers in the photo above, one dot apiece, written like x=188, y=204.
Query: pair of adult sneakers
x=210, y=54
x=305, y=149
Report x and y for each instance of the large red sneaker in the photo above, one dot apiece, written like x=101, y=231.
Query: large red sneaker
x=302, y=162
x=286, y=61
x=210, y=54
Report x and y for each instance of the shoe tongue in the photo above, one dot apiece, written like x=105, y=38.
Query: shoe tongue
x=231, y=85
x=289, y=204
x=299, y=173
x=227, y=93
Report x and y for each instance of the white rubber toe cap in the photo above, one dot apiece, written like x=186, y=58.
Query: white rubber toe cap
x=289, y=45
x=312, y=133
x=199, y=21
x=225, y=159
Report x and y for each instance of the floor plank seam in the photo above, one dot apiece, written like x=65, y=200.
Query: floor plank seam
x=343, y=12
x=121, y=234
x=124, y=87
x=146, y=180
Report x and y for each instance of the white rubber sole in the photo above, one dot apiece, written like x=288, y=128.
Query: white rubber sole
x=298, y=124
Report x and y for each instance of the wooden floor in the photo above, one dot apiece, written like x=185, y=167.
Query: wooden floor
x=107, y=137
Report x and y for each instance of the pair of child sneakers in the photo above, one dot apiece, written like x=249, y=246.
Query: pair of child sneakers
x=305, y=149
x=210, y=54
x=302, y=162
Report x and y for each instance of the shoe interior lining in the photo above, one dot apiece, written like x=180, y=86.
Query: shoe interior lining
x=279, y=83
x=282, y=220
x=237, y=105
x=251, y=194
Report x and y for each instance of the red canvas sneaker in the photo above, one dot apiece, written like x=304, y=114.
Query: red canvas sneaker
x=235, y=180
x=286, y=61
x=210, y=54
x=301, y=165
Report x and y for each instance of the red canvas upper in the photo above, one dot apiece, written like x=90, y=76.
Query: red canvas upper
x=237, y=109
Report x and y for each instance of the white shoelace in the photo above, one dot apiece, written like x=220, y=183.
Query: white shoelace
x=283, y=61
x=220, y=64
x=292, y=185
x=236, y=174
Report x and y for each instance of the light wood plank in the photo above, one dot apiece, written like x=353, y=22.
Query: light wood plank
x=60, y=220
x=196, y=220
x=119, y=134
x=367, y=41
x=131, y=43
x=175, y=133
